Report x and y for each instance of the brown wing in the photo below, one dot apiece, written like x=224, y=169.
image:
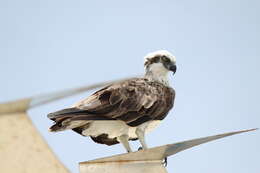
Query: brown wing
x=133, y=101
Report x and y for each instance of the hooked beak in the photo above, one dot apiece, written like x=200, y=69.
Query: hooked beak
x=172, y=67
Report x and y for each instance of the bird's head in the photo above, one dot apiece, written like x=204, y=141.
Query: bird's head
x=158, y=64
x=160, y=61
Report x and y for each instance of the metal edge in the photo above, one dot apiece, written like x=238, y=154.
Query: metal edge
x=159, y=153
x=23, y=105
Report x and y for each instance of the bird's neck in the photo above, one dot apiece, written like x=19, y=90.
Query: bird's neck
x=156, y=72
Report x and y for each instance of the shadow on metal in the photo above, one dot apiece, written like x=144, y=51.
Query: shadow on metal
x=145, y=160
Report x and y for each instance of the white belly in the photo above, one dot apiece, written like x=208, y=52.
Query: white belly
x=117, y=128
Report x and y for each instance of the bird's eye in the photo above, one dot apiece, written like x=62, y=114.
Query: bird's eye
x=166, y=59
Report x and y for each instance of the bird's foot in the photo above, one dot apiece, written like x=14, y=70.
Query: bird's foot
x=165, y=162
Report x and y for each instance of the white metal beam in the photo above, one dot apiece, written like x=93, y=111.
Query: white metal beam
x=145, y=160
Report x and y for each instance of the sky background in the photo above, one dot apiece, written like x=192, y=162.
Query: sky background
x=52, y=45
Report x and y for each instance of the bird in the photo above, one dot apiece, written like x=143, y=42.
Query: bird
x=123, y=111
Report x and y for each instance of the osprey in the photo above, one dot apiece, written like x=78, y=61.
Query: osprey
x=125, y=110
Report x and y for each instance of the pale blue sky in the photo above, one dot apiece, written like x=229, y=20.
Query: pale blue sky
x=56, y=44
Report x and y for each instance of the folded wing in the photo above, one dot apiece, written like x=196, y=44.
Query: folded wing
x=133, y=101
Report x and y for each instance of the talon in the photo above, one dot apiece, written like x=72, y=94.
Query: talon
x=165, y=162
x=140, y=148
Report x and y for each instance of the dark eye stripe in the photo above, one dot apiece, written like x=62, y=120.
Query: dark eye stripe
x=166, y=59
x=163, y=59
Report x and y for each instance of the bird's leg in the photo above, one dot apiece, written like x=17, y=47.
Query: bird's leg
x=140, y=134
x=124, y=140
x=144, y=146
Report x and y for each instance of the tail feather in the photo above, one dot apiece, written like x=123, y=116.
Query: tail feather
x=67, y=124
x=56, y=128
x=72, y=118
